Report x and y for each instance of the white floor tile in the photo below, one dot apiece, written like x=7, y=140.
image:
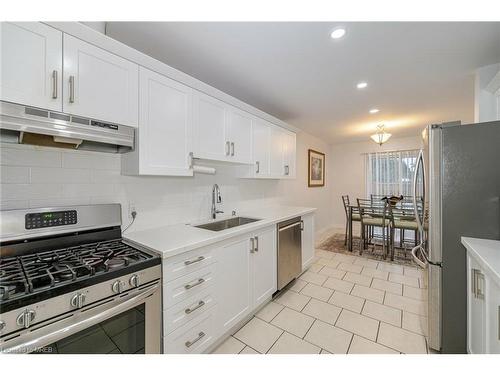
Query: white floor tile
x=340, y=285
x=315, y=267
x=355, y=268
x=415, y=323
x=345, y=258
x=368, y=263
x=249, y=350
x=378, y=274
x=324, y=254
x=293, y=322
x=290, y=344
x=406, y=280
x=401, y=339
x=358, y=279
x=328, y=337
x=258, y=334
x=317, y=292
x=230, y=346
x=388, y=286
x=326, y=312
x=296, y=285
x=347, y=301
x=368, y=293
x=323, y=351
x=358, y=324
x=332, y=272
x=414, y=272
x=312, y=277
x=268, y=312
x=360, y=345
x=406, y=304
x=394, y=268
x=293, y=300
x=381, y=312
x=415, y=293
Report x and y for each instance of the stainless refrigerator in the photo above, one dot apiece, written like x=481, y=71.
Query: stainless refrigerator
x=458, y=176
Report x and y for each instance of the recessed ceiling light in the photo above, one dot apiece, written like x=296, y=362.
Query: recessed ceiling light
x=337, y=33
x=374, y=110
x=361, y=85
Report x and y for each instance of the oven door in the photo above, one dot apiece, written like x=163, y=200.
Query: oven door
x=127, y=323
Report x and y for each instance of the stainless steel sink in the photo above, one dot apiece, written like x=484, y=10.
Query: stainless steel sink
x=226, y=224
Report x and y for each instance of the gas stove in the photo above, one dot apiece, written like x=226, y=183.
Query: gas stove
x=61, y=261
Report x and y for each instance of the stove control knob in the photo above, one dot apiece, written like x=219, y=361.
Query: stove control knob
x=78, y=300
x=26, y=318
x=134, y=281
x=118, y=286
x=2, y=325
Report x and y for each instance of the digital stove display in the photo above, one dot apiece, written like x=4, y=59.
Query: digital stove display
x=50, y=219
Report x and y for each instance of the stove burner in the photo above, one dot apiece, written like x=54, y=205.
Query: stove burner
x=31, y=273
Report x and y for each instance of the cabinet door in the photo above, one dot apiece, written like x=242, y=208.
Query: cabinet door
x=289, y=153
x=209, y=115
x=307, y=240
x=98, y=84
x=493, y=318
x=31, y=65
x=264, y=267
x=240, y=135
x=233, y=282
x=261, y=145
x=277, y=166
x=476, y=311
x=165, y=126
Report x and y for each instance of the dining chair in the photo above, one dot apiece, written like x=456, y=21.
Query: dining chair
x=373, y=216
x=402, y=219
x=355, y=215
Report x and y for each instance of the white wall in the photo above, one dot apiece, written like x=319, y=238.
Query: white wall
x=39, y=177
x=485, y=102
x=348, y=171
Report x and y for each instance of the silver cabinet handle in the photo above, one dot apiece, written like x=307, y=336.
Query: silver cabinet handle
x=190, y=158
x=232, y=148
x=287, y=170
x=54, y=84
x=258, y=166
x=71, y=89
x=192, y=342
x=189, y=286
x=302, y=225
x=199, y=259
x=477, y=284
x=252, y=245
x=256, y=243
x=192, y=309
x=227, y=148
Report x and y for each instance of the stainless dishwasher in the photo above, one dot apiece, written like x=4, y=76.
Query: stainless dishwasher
x=289, y=250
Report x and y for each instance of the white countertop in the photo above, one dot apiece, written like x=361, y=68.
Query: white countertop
x=175, y=239
x=486, y=253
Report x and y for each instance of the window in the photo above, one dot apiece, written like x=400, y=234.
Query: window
x=390, y=173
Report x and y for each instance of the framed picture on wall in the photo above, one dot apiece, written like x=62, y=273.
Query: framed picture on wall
x=316, y=168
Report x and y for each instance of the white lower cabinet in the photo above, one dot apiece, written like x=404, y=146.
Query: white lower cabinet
x=483, y=310
x=208, y=291
x=307, y=240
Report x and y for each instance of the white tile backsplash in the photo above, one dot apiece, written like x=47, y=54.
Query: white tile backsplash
x=34, y=176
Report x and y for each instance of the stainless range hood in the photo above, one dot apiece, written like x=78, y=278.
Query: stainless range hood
x=24, y=124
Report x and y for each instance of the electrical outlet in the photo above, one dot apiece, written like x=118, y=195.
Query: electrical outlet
x=131, y=208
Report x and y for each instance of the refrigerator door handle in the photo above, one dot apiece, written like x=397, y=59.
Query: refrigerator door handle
x=420, y=160
x=417, y=260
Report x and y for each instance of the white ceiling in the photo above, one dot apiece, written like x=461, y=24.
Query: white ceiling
x=418, y=73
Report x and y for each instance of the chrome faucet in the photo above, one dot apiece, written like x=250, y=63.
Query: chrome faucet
x=216, y=198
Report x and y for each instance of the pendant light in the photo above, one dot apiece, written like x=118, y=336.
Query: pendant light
x=381, y=136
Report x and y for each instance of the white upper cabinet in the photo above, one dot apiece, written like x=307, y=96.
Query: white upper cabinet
x=289, y=153
x=277, y=165
x=164, y=137
x=99, y=84
x=31, y=65
x=261, y=148
x=239, y=135
x=209, y=116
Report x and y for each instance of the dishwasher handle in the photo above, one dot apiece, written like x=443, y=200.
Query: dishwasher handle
x=290, y=226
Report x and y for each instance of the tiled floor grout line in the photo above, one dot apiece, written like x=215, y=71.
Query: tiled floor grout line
x=274, y=343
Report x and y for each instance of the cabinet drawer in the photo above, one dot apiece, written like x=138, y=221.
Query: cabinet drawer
x=188, y=286
x=187, y=310
x=189, y=262
x=193, y=338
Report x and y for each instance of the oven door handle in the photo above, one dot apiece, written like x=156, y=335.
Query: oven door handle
x=32, y=340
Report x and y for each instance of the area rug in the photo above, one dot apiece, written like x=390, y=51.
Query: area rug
x=335, y=244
